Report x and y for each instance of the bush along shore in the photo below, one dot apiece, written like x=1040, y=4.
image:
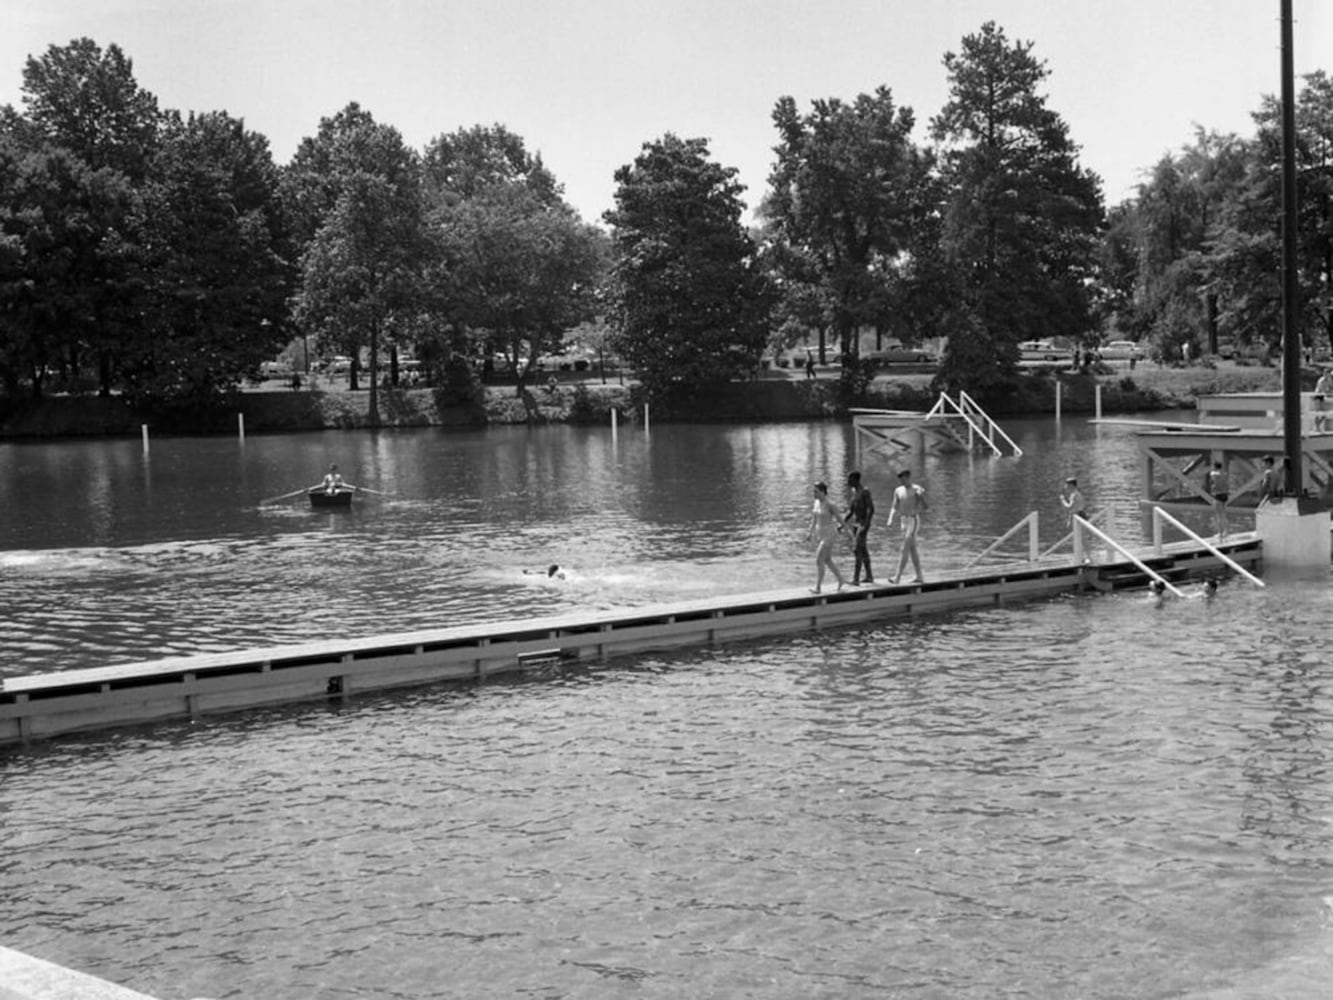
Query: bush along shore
x=591, y=402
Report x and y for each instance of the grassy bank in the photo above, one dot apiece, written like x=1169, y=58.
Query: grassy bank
x=591, y=402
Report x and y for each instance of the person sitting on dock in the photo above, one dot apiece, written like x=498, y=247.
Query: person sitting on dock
x=824, y=525
x=333, y=481
x=909, y=502
x=1219, y=488
x=860, y=511
x=1072, y=499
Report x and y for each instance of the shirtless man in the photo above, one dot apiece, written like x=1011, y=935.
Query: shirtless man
x=909, y=503
x=824, y=527
x=333, y=480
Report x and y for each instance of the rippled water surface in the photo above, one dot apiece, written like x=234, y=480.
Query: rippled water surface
x=1094, y=796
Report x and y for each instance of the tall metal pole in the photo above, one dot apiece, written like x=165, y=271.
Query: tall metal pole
x=1291, y=334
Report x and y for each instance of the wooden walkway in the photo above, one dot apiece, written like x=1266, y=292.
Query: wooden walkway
x=39, y=706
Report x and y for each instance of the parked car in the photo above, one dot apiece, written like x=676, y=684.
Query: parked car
x=1120, y=350
x=900, y=356
x=1043, y=350
x=275, y=369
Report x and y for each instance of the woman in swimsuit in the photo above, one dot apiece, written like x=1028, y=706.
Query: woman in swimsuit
x=824, y=527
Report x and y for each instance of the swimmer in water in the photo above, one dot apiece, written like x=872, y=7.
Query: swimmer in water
x=551, y=572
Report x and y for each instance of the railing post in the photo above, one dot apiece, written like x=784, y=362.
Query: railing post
x=1157, y=530
x=1034, y=545
x=1078, y=541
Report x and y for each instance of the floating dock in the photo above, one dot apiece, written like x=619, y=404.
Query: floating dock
x=41, y=706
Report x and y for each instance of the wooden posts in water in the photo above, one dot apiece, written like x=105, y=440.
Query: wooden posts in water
x=143, y=430
x=240, y=426
x=1058, y=387
x=1099, y=401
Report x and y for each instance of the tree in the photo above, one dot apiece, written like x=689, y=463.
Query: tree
x=1314, y=191
x=219, y=272
x=843, y=198
x=68, y=271
x=87, y=101
x=467, y=162
x=521, y=270
x=355, y=188
x=691, y=304
x=1022, y=218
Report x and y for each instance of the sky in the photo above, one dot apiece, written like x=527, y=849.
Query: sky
x=586, y=83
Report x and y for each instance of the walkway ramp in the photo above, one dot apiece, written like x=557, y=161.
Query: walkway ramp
x=46, y=705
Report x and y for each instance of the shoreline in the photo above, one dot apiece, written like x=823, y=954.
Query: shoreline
x=589, y=401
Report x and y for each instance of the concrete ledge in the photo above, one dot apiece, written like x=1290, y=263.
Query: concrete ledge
x=23, y=977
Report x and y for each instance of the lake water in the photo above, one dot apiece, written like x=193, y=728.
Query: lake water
x=1095, y=796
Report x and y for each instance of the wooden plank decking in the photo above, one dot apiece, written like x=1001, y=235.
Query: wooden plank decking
x=49, y=704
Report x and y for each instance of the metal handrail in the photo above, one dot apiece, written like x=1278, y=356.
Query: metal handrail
x=1158, y=514
x=944, y=398
x=964, y=397
x=1081, y=523
x=1098, y=516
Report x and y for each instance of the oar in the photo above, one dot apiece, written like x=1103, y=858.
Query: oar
x=367, y=489
x=293, y=493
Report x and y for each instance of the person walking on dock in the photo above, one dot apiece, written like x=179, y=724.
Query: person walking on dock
x=860, y=512
x=824, y=527
x=909, y=503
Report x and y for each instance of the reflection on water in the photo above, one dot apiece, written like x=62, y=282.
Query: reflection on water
x=123, y=556
x=1096, y=796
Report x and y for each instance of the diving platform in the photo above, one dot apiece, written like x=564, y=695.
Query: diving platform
x=952, y=424
x=1238, y=430
x=41, y=706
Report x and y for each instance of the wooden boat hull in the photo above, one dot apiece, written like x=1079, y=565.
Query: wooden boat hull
x=322, y=498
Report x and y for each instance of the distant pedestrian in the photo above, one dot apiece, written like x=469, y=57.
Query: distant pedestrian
x=909, y=503
x=860, y=512
x=1071, y=498
x=1218, y=486
x=824, y=528
x=809, y=365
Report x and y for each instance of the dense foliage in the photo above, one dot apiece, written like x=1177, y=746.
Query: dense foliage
x=165, y=257
x=689, y=298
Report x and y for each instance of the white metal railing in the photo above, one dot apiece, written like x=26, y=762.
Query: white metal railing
x=1031, y=522
x=977, y=420
x=1081, y=525
x=967, y=400
x=1159, y=515
x=1097, y=516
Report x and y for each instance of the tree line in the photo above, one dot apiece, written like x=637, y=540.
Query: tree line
x=165, y=256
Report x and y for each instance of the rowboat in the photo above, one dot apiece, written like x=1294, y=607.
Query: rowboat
x=320, y=497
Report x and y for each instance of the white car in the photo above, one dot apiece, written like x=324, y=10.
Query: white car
x=1120, y=350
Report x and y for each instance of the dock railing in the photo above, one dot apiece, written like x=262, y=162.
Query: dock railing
x=1159, y=515
x=1035, y=554
x=1030, y=522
